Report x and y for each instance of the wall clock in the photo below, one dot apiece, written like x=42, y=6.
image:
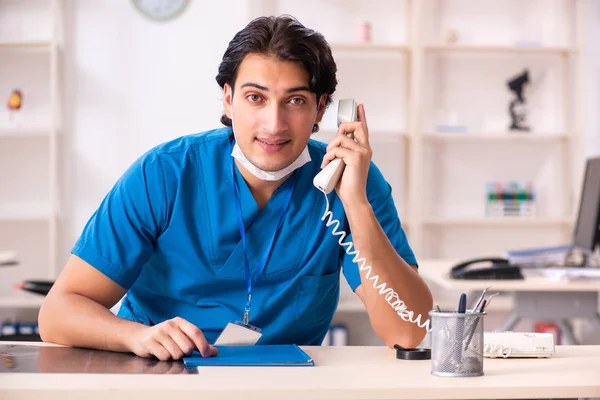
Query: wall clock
x=161, y=10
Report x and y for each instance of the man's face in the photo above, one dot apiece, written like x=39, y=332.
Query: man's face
x=273, y=110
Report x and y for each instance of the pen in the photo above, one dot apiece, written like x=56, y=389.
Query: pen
x=462, y=303
x=460, y=326
x=481, y=298
x=482, y=308
x=474, y=325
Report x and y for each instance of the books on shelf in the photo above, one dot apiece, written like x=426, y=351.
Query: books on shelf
x=555, y=255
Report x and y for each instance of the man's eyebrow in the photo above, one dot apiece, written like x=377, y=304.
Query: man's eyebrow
x=298, y=89
x=266, y=89
x=255, y=85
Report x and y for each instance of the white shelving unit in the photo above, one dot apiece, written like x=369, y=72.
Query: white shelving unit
x=369, y=48
x=498, y=221
x=424, y=57
x=497, y=137
x=30, y=50
x=26, y=211
x=408, y=70
x=19, y=44
x=461, y=159
x=21, y=300
x=499, y=49
x=14, y=133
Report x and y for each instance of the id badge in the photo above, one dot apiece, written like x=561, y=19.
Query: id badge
x=238, y=334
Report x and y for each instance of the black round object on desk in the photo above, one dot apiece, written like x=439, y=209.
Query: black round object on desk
x=412, y=354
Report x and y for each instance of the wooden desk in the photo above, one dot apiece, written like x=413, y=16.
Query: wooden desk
x=339, y=373
x=533, y=297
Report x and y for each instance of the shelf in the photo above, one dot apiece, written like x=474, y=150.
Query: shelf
x=499, y=49
x=25, y=211
x=531, y=137
x=358, y=47
x=327, y=135
x=506, y=221
x=21, y=300
x=25, y=44
x=24, y=133
x=388, y=134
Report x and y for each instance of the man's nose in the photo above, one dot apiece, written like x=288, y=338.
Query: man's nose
x=275, y=120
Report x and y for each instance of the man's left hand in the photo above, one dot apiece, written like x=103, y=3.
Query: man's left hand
x=356, y=153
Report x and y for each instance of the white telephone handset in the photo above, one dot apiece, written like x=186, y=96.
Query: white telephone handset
x=326, y=180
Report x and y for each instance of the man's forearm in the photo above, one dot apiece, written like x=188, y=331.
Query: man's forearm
x=74, y=320
x=373, y=245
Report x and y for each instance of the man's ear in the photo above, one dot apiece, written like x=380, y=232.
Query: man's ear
x=227, y=99
x=322, y=101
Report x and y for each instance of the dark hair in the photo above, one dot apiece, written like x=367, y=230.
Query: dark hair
x=288, y=40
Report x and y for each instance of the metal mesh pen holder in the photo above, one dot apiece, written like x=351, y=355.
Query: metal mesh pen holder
x=456, y=344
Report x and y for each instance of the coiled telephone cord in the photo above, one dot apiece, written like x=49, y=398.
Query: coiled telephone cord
x=390, y=295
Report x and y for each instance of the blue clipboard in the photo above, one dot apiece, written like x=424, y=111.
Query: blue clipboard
x=285, y=355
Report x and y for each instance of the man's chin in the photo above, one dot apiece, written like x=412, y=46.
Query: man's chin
x=271, y=162
x=270, y=167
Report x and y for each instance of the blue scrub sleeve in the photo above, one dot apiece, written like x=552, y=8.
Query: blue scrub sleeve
x=119, y=237
x=379, y=193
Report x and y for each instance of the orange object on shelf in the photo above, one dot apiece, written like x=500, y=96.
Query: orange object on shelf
x=15, y=100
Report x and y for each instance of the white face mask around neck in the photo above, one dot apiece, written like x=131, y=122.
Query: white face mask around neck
x=237, y=153
x=302, y=159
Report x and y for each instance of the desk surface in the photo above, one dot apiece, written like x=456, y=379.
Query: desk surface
x=437, y=271
x=339, y=372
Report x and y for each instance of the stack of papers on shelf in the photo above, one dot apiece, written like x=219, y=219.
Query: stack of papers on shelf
x=541, y=256
x=8, y=258
x=565, y=274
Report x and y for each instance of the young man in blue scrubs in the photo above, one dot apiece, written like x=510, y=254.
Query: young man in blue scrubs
x=198, y=224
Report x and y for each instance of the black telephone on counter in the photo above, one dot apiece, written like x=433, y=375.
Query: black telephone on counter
x=496, y=268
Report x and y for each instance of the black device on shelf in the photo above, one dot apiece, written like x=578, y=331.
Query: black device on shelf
x=37, y=287
x=21, y=337
x=495, y=268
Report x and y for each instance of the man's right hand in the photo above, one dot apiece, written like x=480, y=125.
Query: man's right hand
x=170, y=340
x=76, y=312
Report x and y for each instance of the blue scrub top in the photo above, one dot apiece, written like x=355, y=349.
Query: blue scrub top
x=167, y=232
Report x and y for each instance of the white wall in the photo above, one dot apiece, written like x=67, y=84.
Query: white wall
x=130, y=84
